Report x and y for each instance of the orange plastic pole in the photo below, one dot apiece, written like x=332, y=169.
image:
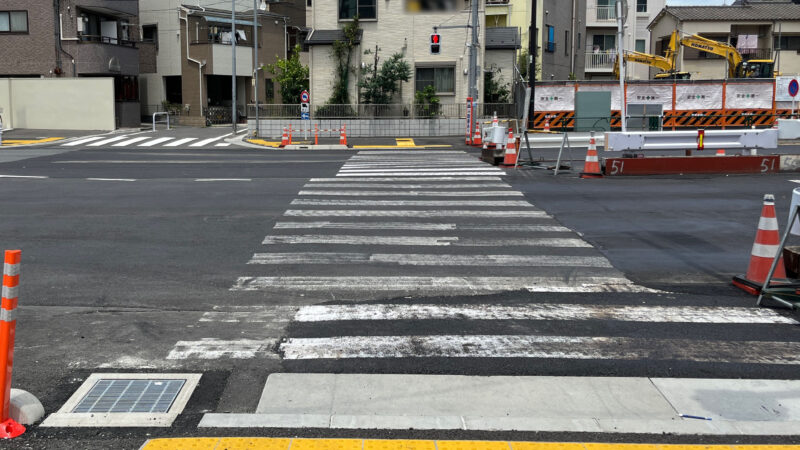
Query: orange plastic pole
x=316, y=134
x=8, y=325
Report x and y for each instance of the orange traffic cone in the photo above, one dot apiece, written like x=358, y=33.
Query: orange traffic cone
x=494, y=120
x=591, y=168
x=285, y=137
x=546, y=124
x=343, y=135
x=721, y=152
x=764, y=250
x=477, y=139
x=510, y=157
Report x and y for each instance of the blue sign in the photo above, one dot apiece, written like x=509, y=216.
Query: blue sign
x=793, y=87
x=305, y=116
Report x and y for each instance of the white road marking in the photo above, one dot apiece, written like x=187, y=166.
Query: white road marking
x=383, y=179
x=223, y=144
x=407, y=186
x=450, y=285
x=34, y=177
x=180, y=142
x=416, y=174
x=81, y=141
x=795, y=181
x=210, y=348
x=156, y=141
x=223, y=179
x=404, y=259
x=408, y=213
x=351, y=202
x=107, y=141
x=410, y=152
x=542, y=311
x=416, y=226
x=130, y=141
x=557, y=347
x=422, y=170
x=209, y=141
x=417, y=193
x=425, y=240
x=261, y=314
x=111, y=179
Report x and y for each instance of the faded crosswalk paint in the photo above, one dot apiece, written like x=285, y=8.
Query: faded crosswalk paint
x=406, y=259
x=414, y=174
x=337, y=202
x=346, y=185
x=415, y=193
x=425, y=241
x=419, y=226
x=411, y=213
x=209, y=348
x=556, y=347
x=542, y=311
x=385, y=179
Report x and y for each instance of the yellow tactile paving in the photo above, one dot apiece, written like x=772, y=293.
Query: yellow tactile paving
x=405, y=142
x=230, y=443
x=384, y=444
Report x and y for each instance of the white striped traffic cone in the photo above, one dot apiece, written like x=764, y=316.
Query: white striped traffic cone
x=285, y=137
x=764, y=250
x=591, y=168
x=510, y=157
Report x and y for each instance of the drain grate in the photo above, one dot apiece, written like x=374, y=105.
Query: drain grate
x=130, y=396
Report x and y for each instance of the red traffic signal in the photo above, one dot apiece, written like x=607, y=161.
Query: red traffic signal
x=436, y=41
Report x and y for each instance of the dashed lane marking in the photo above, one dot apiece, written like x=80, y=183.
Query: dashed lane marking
x=33, y=177
x=111, y=179
x=223, y=179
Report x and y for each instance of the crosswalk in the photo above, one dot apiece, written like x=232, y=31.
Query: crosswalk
x=405, y=271
x=148, y=141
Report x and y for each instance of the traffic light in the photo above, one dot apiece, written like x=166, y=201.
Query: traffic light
x=436, y=42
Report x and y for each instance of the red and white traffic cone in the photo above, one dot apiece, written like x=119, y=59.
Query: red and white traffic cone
x=546, y=124
x=343, y=135
x=477, y=139
x=9, y=428
x=510, y=157
x=285, y=137
x=495, y=122
x=591, y=168
x=721, y=152
x=765, y=248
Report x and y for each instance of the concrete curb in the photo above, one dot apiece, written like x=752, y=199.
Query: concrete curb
x=25, y=408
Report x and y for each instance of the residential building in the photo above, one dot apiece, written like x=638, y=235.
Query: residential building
x=75, y=38
x=759, y=30
x=601, y=36
x=188, y=57
x=405, y=27
x=562, y=28
x=510, y=13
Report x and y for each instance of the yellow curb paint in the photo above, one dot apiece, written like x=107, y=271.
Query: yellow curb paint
x=405, y=142
x=15, y=142
x=231, y=443
x=403, y=146
x=264, y=143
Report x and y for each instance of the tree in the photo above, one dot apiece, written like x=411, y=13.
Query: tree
x=342, y=52
x=493, y=90
x=426, y=102
x=291, y=75
x=378, y=86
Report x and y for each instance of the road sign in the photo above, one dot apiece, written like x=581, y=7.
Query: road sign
x=305, y=116
x=304, y=97
x=304, y=111
x=793, y=87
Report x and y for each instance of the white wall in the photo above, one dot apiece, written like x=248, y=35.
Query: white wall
x=58, y=103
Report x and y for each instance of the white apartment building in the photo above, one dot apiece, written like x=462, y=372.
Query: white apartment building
x=391, y=27
x=601, y=36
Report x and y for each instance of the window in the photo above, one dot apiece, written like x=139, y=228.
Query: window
x=269, y=90
x=13, y=21
x=604, y=42
x=150, y=33
x=364, y=9
x=578, y=43
x=566, y=43
x=641, y=6
x=441, y=78
x=787, y=43
x=640, y=46
x=550, y=44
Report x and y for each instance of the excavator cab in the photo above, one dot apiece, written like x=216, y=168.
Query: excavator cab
x=758, y=68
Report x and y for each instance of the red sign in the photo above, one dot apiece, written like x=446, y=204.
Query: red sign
x=304, y=97
x=701, y=134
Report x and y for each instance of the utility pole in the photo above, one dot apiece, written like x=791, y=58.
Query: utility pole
x=621, y=59
x=532, y=55
x=233, y=65
x=255, y=59
x=473, y=54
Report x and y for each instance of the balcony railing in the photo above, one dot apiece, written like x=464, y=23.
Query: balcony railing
x=606, y=13
x=603, y=60
x=218, y=40
x=497, y=2
x=756, y=53
x=106, y=40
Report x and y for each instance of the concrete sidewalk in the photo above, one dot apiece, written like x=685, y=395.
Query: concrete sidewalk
x=559, y=404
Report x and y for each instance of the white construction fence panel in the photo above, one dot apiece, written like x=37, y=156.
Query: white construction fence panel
x=748, y=96
x=651, y=94
x=698, y=96
x=554, y=98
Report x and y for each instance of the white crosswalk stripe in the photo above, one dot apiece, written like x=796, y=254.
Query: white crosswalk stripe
x=148, y=141
x=130, y=141
x=81, y=141
x=106, y=141
x=156, y=141
x=180, y=142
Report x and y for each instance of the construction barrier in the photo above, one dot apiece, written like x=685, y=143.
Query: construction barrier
x=691, y=164
x=8, y=326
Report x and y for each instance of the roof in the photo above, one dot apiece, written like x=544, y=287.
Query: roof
x=761, y=11
x=327, y=37
x=226, y=13
x=502, y=38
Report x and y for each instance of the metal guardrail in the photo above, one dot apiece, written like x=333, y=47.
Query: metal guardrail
x=691, y=140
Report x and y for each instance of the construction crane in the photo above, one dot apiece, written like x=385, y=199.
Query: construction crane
x=666, y=63
x=737, y=66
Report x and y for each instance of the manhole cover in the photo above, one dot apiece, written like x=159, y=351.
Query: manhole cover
x=126, y=396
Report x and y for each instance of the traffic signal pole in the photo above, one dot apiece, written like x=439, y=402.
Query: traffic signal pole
x=532, y=55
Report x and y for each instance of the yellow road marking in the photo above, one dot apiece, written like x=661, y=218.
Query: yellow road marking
x=15, y=142
x=264, y=143
x=403, y=146
x=405, y=142
x=230, y=443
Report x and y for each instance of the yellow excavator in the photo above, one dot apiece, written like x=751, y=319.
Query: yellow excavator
x=737, y=66
x=666, y=63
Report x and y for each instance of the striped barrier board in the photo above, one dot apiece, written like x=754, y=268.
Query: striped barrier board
x=691, y=164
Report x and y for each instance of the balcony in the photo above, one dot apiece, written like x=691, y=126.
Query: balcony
x=606, y=13
x=106, y=40
x=756, y=53
x=496, y=2
x=600, y=62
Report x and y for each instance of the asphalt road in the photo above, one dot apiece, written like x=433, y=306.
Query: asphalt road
x=138, y=261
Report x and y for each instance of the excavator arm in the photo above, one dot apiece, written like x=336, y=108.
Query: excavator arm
x=718, y=48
